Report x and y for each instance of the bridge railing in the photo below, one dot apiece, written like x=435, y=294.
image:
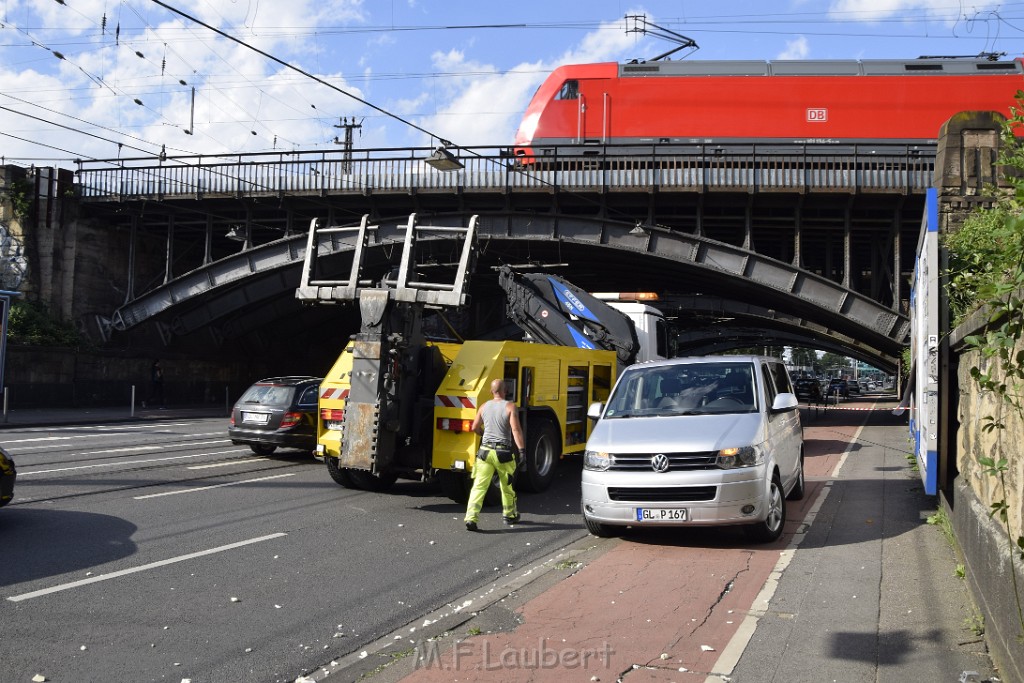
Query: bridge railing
x=892, y=168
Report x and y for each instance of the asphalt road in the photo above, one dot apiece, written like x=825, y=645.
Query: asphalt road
x=158, y=551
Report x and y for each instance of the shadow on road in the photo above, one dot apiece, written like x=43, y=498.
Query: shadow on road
x=42, y=543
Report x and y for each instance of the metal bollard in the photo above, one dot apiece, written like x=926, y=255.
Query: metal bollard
x=133, y=401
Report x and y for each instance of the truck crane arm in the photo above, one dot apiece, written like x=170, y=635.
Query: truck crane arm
x=554, y=311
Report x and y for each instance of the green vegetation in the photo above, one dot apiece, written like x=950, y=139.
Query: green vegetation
x=941, y=520
x=975, y=624
x=912, y=463
x=392, y=658
x=31, y=324
x=19, y=192
x=986, y=252
x=986, y=271
x=568, y=564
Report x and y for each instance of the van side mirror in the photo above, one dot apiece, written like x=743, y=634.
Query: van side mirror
x=784, y=401
x=595, y=410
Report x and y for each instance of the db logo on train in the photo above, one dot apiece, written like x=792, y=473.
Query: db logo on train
x=817, y=115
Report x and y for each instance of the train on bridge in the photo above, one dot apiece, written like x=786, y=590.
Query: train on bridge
x=806, y=102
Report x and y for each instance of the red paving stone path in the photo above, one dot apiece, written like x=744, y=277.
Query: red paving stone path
x=605, y=619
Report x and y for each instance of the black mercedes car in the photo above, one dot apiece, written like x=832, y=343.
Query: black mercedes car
x=278, y=412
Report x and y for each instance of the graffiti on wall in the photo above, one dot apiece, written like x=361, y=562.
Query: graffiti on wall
x=13, y=264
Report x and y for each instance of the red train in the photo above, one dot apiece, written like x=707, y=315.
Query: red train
x=786, y=102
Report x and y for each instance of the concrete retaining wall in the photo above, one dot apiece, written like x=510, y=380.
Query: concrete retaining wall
x=983, y=539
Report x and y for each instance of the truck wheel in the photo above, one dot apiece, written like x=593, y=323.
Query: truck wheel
x=537, y=470
x=341, y=475
x=455, y=485
x=372, y=482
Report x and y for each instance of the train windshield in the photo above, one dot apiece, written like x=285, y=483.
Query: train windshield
x=570, y=90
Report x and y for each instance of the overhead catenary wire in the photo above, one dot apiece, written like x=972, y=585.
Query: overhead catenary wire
x=289, y=65
x=444, y=142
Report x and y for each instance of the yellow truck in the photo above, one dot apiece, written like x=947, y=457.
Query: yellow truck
x=397, y=405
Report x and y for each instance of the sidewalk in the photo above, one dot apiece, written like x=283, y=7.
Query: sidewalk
x=860, y=588
x=38, y=417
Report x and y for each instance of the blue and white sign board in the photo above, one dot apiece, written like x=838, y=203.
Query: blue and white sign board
x=924, y=347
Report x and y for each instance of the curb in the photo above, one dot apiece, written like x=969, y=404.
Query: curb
x=394, y=655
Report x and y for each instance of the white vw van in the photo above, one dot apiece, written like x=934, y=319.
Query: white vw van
x=695, y=442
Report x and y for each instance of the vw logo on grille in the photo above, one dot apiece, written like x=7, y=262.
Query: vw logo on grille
x=659, y=463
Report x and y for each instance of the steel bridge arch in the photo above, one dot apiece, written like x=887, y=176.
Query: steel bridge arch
x=698, y=276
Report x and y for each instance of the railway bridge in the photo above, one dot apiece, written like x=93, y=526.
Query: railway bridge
x=745, y=245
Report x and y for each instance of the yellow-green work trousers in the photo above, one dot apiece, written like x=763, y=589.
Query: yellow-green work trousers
x=483, y=472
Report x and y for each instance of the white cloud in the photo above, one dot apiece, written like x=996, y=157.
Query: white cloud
x=486, y=109
x=874, y=10
x=795, y=49
x=143, y=53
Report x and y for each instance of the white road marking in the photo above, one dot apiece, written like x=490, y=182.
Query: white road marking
x=145, y=567
x=8, y=442
x=215, y=486
x=131, y=463
x=125, y=427
x=239, y=461
x=149, y=448
x=50, y=446
x=129, y=449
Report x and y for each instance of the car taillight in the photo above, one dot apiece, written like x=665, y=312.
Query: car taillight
x=332, y=414
x=291, y=419
x=454, y=425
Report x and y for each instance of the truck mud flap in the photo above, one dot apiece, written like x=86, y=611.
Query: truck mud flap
x=360, y=447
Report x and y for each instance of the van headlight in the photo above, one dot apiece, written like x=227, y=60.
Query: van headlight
x=597, y=461
x=745, y=456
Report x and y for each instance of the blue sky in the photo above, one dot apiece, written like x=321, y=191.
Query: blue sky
x=78, y=78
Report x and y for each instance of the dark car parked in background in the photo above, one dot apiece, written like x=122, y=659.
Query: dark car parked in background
x=838, y=385
x=807, y=389
x=277, y=412
x=7, y=477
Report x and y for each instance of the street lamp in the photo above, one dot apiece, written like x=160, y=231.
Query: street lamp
x=236, y=233
x=443, y=160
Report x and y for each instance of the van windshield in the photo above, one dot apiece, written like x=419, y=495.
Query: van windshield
x=685, y=389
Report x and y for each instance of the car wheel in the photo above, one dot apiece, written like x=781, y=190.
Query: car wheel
x=263, y=449
x=340, y=475
x=541, y=457
x=798, y=490
x=598, y=529
x=771, y=528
